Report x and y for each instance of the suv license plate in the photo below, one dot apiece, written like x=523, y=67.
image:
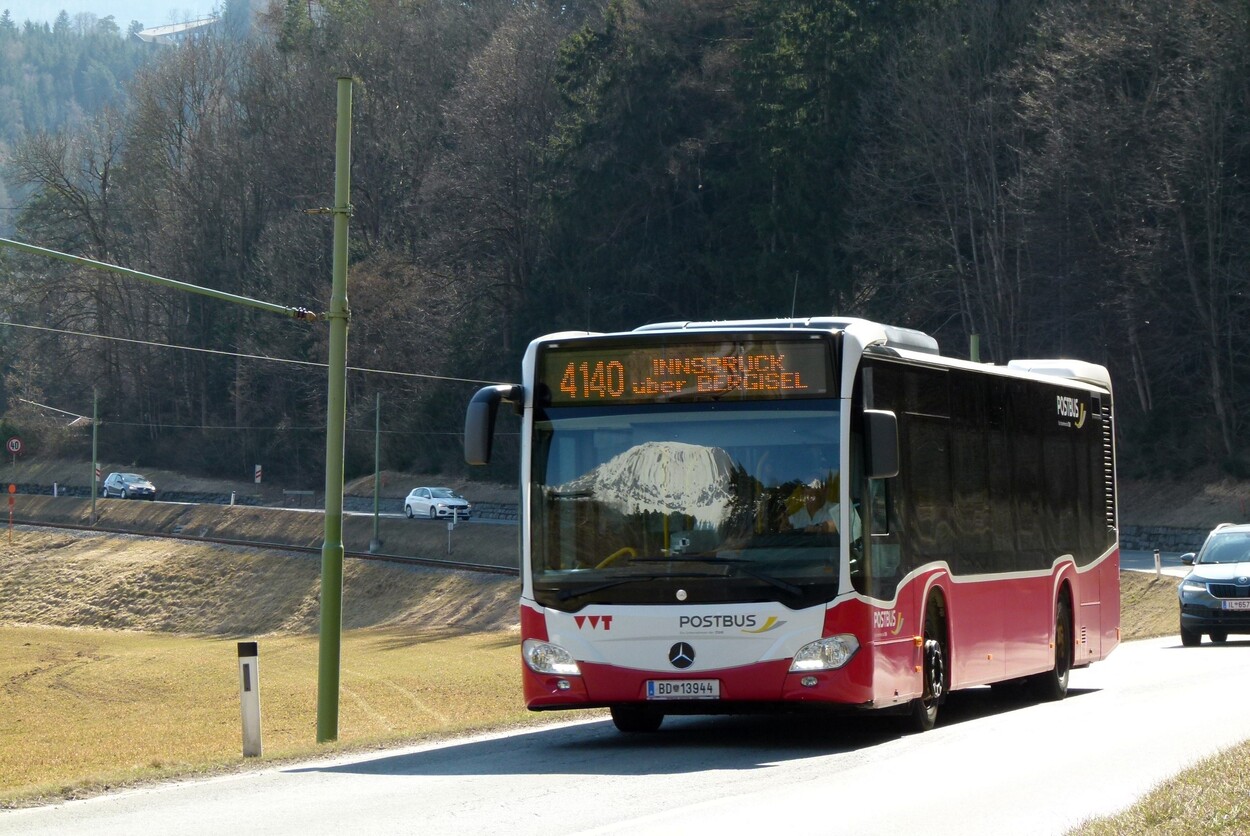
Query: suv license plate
x=683, y=689
x=1241, y=604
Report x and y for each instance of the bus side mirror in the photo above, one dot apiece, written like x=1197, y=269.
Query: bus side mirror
x=881, y=429
x=479, y=420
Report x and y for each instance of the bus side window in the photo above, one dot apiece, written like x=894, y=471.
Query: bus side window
x=886, y=552
x=879, y=503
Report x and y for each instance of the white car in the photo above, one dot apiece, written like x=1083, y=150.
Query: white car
x=436, y=503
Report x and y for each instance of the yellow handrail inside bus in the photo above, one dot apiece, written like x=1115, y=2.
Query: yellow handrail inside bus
x=616, y=555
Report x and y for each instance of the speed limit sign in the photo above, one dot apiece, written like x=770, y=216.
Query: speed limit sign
x=14, y=445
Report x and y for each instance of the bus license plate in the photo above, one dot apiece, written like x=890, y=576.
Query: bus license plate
x=1242, y=604
x=683, y=689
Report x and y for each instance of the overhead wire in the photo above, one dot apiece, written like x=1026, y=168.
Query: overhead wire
x=154, y=344
x=243, y=356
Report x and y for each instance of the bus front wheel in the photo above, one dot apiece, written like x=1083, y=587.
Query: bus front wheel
x=924, y=709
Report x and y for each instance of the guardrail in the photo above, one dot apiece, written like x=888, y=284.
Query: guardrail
x=300, y=496
x=505, y=512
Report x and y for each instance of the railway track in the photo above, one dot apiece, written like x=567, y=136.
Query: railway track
x=408, y=560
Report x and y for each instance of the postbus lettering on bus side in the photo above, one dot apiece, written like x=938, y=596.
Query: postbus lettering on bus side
x=1069, y=407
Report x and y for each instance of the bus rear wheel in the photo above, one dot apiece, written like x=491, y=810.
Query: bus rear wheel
x=635, y=719
x=1053, y=684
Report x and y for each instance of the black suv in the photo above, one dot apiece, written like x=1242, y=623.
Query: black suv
x=1215, y=595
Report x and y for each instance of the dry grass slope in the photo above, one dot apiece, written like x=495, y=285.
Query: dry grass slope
x=120, y=582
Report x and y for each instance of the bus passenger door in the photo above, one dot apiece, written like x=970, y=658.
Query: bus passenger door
x=895, y=616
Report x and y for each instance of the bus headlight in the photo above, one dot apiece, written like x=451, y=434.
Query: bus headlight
x=825, y=655
x=548, y=658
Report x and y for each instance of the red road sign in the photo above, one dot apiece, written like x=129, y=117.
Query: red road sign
x=14, y=445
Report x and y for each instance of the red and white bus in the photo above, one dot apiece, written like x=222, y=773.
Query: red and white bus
x=759, y=515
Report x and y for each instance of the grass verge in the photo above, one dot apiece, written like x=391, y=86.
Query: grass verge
x=1212, y=796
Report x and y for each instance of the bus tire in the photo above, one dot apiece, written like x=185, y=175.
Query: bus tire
x=1052, y=685
x=924, y=709
x=636, y=719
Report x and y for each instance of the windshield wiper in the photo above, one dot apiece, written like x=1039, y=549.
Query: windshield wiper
x=742, y=564
x=566, y=594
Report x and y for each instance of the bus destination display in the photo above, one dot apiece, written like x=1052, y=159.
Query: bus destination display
x=739, y=369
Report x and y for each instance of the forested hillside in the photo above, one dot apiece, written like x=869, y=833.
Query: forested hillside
x=1059, y=178
x=55, y=76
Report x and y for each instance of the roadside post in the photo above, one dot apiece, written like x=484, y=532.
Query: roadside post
x=13, y=490
x=1158, y=564
x=249, y=698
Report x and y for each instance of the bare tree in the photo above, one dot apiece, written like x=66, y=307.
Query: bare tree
x=488, y=192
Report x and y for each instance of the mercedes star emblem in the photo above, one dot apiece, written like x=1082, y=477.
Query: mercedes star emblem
x=681, y=655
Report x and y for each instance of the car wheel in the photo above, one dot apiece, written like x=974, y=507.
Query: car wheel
x=125, y=493
x=408, y=511
x=1190, y=638
x=1219, y=636
x=433, y=513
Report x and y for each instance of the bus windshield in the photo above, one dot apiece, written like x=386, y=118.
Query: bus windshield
x=698, y=503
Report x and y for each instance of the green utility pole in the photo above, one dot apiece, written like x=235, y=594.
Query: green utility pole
x=336, y=418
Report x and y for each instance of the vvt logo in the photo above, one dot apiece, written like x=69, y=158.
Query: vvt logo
x=594, y=621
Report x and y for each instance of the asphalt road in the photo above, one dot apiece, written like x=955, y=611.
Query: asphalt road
x=1143, y=561
x=989, y=767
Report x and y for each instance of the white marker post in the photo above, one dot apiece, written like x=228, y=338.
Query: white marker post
x=249, y=696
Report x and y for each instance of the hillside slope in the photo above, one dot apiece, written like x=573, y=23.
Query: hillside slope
x=122, y=582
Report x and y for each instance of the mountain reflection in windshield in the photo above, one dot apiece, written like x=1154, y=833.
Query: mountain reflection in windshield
x=663, y=477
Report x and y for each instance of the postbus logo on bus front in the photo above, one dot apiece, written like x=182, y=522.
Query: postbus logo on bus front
x=1070, y=408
